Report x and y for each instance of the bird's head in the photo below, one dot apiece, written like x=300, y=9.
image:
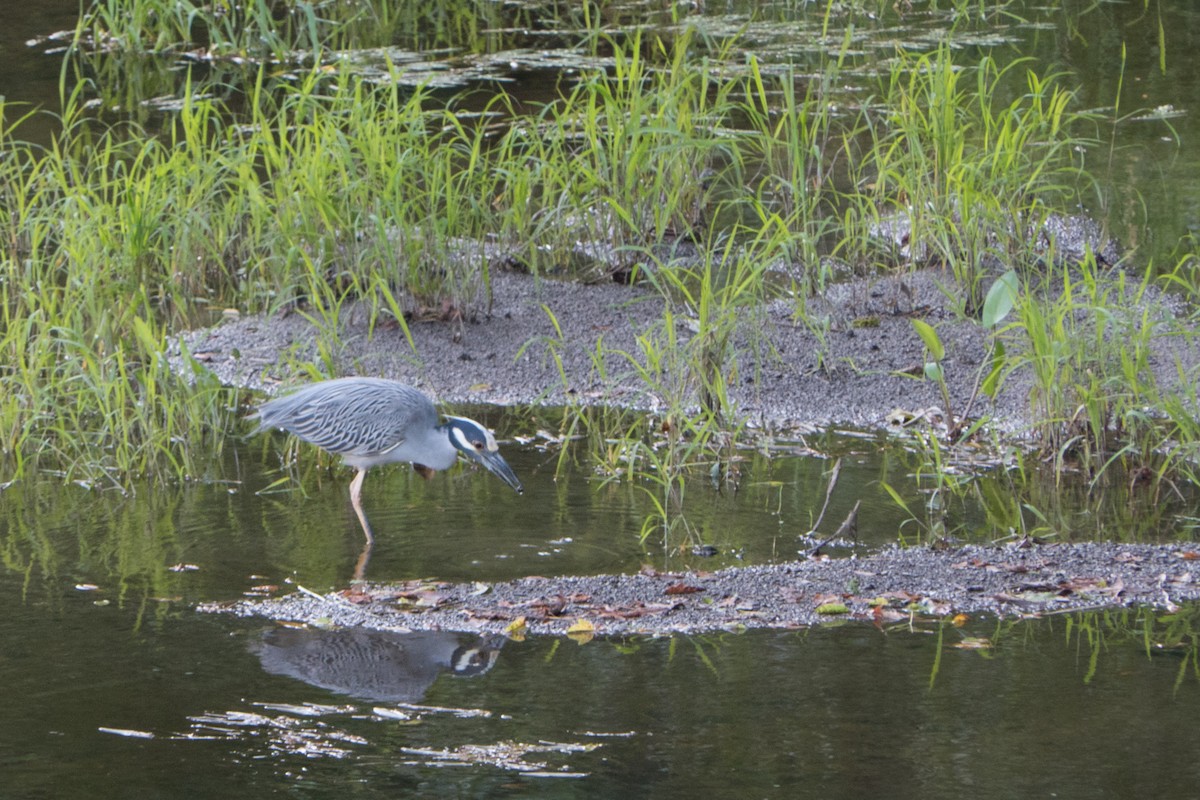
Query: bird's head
x=469, y=437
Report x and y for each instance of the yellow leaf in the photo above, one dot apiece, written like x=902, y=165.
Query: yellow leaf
x=960, y=620
x=833, y=608
x=581, y=632
x=515, y=630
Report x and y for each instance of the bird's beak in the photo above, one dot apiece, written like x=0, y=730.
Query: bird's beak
x=495, y=464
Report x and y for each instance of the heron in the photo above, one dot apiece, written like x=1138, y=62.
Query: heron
x=373, y=421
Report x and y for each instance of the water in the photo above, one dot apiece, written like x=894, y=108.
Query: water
x=1127, y=58
x=103, y=649
x=99, y=634
x=839, y=712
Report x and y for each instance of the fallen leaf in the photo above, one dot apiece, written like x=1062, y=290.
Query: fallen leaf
x=833, y=608
x=490, y=614
x=1032, y=600
x=550, y=606
x=974, y=643
x=682, y=588
x=582, y=631
x=885, y=614
x=934, y=608
x=356, y=596
x=516, y=629
x=636, y=610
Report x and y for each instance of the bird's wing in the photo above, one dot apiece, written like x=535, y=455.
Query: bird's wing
x=366, y=419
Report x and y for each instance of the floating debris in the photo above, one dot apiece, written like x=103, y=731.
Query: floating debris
x=306, y=709
x=1166, y=111
x=281, y=734
x=392, y=713
x=503, y=755
x=461, y=713
x=128, y=732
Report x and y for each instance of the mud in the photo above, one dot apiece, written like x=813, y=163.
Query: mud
x=786, y=376
x=889, y=587
x=859, y=372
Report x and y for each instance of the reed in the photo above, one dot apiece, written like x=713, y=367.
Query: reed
x=322, y=188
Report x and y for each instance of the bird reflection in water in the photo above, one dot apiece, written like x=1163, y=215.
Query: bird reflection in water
x=379, y=666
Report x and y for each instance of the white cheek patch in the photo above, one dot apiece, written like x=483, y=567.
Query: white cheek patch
x=461, y=438
x=464, y=443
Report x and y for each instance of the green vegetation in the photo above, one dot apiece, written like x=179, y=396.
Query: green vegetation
x=287, y=174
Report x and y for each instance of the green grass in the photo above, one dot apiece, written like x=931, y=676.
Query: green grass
x=321, y=187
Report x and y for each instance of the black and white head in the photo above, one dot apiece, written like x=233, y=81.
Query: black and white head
x=478, y=443
x=469, y=661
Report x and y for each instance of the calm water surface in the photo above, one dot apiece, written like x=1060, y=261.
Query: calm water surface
x=100, y=641
x=1130, y=59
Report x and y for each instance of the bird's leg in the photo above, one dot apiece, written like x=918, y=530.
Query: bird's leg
x=356, y=501
x=360, y=567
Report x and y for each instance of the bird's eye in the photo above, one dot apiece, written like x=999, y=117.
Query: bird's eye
x=478, y=445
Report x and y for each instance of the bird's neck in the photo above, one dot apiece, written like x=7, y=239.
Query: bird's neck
x=437, y=452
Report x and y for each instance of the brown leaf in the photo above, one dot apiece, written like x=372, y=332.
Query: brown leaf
x=357, y=596
x=682, y=588
x=550, y=606
x=902, y=596
x=636, y=610
x=886, y=614
x=488, y=614
x=791, y=595
x=974, y=643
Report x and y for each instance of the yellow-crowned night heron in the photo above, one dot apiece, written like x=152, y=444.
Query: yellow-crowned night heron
x=372, y=421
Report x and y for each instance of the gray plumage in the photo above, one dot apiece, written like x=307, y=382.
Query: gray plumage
x=373, y=421
x=366, y=421
x=383, y=666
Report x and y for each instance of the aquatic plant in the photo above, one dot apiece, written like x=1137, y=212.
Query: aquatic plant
x=331, y=188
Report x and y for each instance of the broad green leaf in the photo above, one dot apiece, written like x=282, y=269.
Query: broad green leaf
x=933, y=371
x=933, y=343
x=1000, y=299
